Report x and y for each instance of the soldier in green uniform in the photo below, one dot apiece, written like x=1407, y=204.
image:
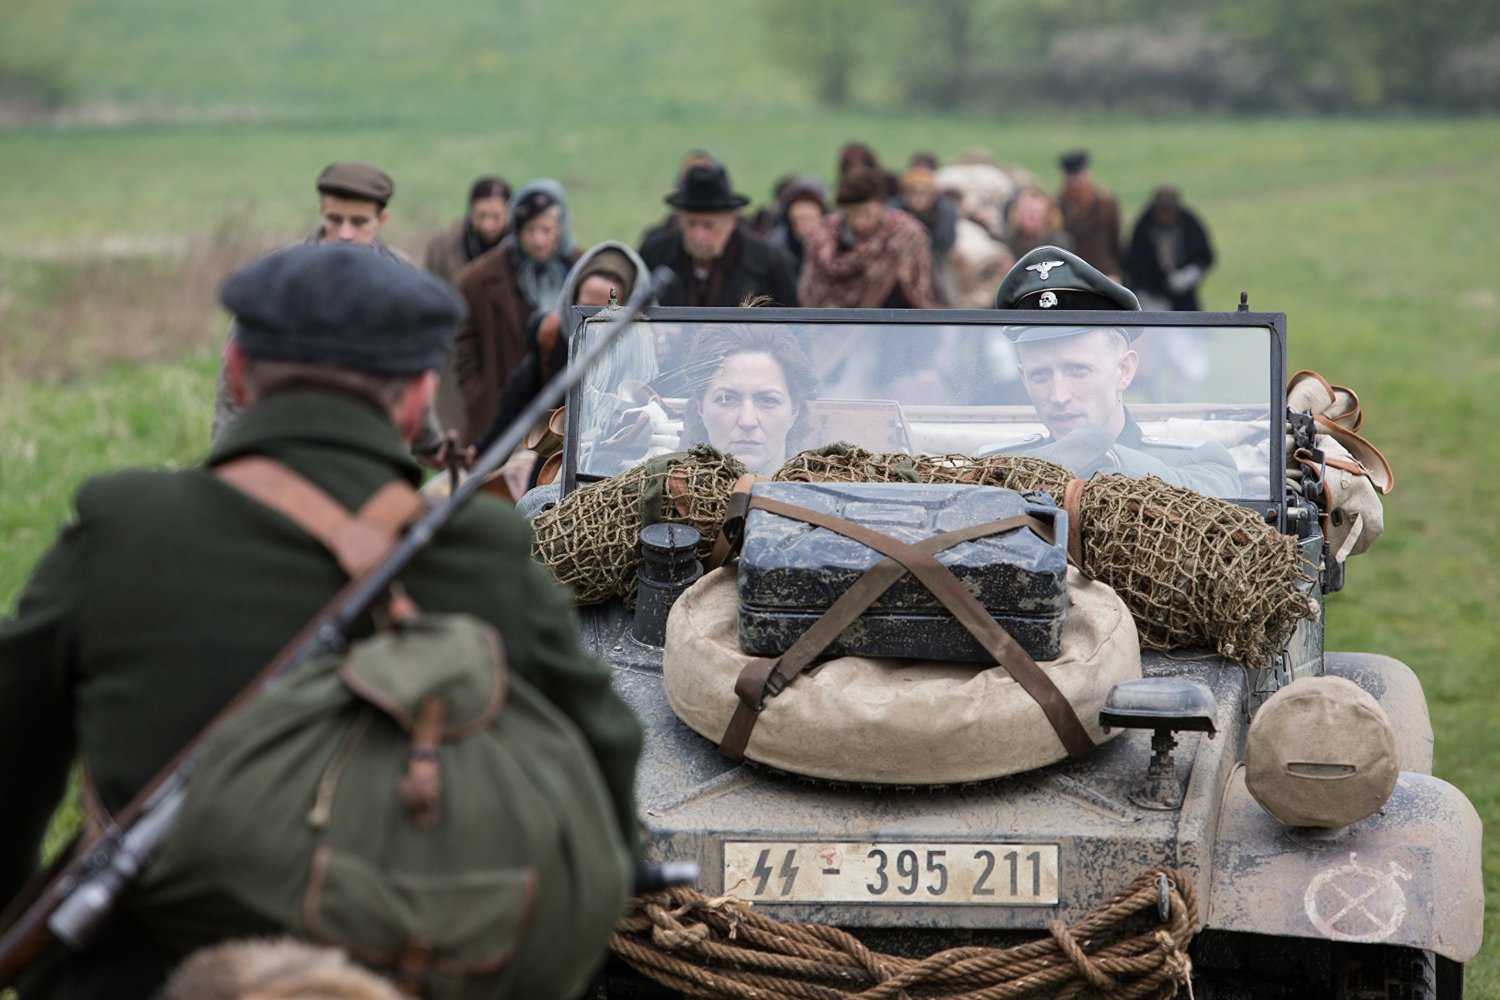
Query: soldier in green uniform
x=168, y=590
x=1076, y=377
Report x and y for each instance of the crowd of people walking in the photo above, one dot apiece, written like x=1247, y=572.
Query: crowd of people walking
x=927, y=236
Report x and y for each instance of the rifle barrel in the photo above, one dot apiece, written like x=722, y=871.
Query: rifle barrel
x=72, y=906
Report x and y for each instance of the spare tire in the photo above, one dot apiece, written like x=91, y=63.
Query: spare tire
x=893, y=721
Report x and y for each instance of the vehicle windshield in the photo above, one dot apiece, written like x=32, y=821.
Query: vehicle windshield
x=1191, y=404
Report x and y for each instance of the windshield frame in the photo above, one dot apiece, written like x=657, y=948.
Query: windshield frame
x=1273, y=324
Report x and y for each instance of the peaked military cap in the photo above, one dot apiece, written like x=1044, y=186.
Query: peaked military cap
x=343, y=304
x=1052, y=278
x=357, y=179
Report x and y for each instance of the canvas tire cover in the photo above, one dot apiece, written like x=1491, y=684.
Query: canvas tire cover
x=895, y=721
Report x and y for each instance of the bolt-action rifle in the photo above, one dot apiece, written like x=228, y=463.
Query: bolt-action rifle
x=70, y=907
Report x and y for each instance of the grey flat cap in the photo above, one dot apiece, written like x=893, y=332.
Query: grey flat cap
x=345, y=305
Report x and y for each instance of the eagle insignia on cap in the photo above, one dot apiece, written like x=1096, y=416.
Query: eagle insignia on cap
x=1048, y=300
x=1044, y=267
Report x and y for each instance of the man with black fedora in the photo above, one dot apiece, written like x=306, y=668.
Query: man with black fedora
x=718, y=259
x=169, y=589
x=1076, y=376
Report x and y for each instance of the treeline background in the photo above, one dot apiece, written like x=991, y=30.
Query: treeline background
x=1141, y=56
x=1153, y=56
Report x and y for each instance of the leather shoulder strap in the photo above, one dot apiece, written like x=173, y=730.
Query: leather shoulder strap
x=358, y=541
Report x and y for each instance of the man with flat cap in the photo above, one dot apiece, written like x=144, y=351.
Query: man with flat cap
x=1076, y=377
x=1091, y=215
x=168, y=590
x=718, y=259
x=352, y=199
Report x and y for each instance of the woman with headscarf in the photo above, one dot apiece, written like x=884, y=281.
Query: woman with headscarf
x=867, y=255
x=502, y=288
x=801, y=207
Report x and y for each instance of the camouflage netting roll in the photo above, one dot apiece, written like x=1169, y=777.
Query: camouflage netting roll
x=842, y=463
x=591, y=539
x=1192, y=569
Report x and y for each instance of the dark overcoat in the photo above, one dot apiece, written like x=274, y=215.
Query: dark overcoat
x=169, y=590
x=750, y=266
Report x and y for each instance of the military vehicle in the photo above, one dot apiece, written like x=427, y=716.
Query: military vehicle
x=1388, y=906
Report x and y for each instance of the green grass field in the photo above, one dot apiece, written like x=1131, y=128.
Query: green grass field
x=1379, y=238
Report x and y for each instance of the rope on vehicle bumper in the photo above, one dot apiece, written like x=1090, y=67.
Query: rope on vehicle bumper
x=722, y=947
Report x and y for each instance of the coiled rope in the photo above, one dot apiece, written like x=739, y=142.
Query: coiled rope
x=722, y=947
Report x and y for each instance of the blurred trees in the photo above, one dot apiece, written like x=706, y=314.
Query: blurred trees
x=34, y=53
x=826, y=41
x=1333, y=56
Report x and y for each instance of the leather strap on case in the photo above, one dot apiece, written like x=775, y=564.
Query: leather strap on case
x=766, y=677
x=732, y=531
x=1072, y=499
x=358, y=541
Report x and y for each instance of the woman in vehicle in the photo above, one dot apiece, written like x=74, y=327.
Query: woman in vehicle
x=751, y=385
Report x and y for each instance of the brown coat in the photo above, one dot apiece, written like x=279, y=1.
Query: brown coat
x=1094, y=224
x=492, y=340
x=445, y=254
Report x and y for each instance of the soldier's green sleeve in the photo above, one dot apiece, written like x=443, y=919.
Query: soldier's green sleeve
x=580, y=686
x=36, y=729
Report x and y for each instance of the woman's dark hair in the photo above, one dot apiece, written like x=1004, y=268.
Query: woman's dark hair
x=489, y=186
x=716, y=344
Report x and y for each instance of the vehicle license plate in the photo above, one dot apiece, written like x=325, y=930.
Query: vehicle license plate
x=892, y=872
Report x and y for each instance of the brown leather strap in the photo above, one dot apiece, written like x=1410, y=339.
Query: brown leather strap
x=357, y=541
x=731, y=532
x=965, y=608
x=1373, y=463
x=546, y=341
x=1072, y=502
x=767, y=677
x=421, y=786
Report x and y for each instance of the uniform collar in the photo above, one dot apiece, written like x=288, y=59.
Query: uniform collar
x=302, y=420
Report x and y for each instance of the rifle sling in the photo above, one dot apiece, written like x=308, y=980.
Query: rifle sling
x=764, y=678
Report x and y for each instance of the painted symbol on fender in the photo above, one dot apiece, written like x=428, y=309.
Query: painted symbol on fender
x=831, y=859
x=1354, y=902
x=1048, y=300
x=1044, y=267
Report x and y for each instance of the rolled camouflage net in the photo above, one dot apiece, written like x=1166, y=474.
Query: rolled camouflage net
x=1192, y=569
x=591, y=539
x=842, y=463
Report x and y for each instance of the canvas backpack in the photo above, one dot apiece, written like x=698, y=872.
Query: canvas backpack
x=410, y=801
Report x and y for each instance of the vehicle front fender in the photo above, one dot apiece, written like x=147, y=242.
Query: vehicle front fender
x=1396, y=687
x=1409, y=875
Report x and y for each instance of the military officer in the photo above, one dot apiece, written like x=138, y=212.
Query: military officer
x=168, y=590
x=1076, y=377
